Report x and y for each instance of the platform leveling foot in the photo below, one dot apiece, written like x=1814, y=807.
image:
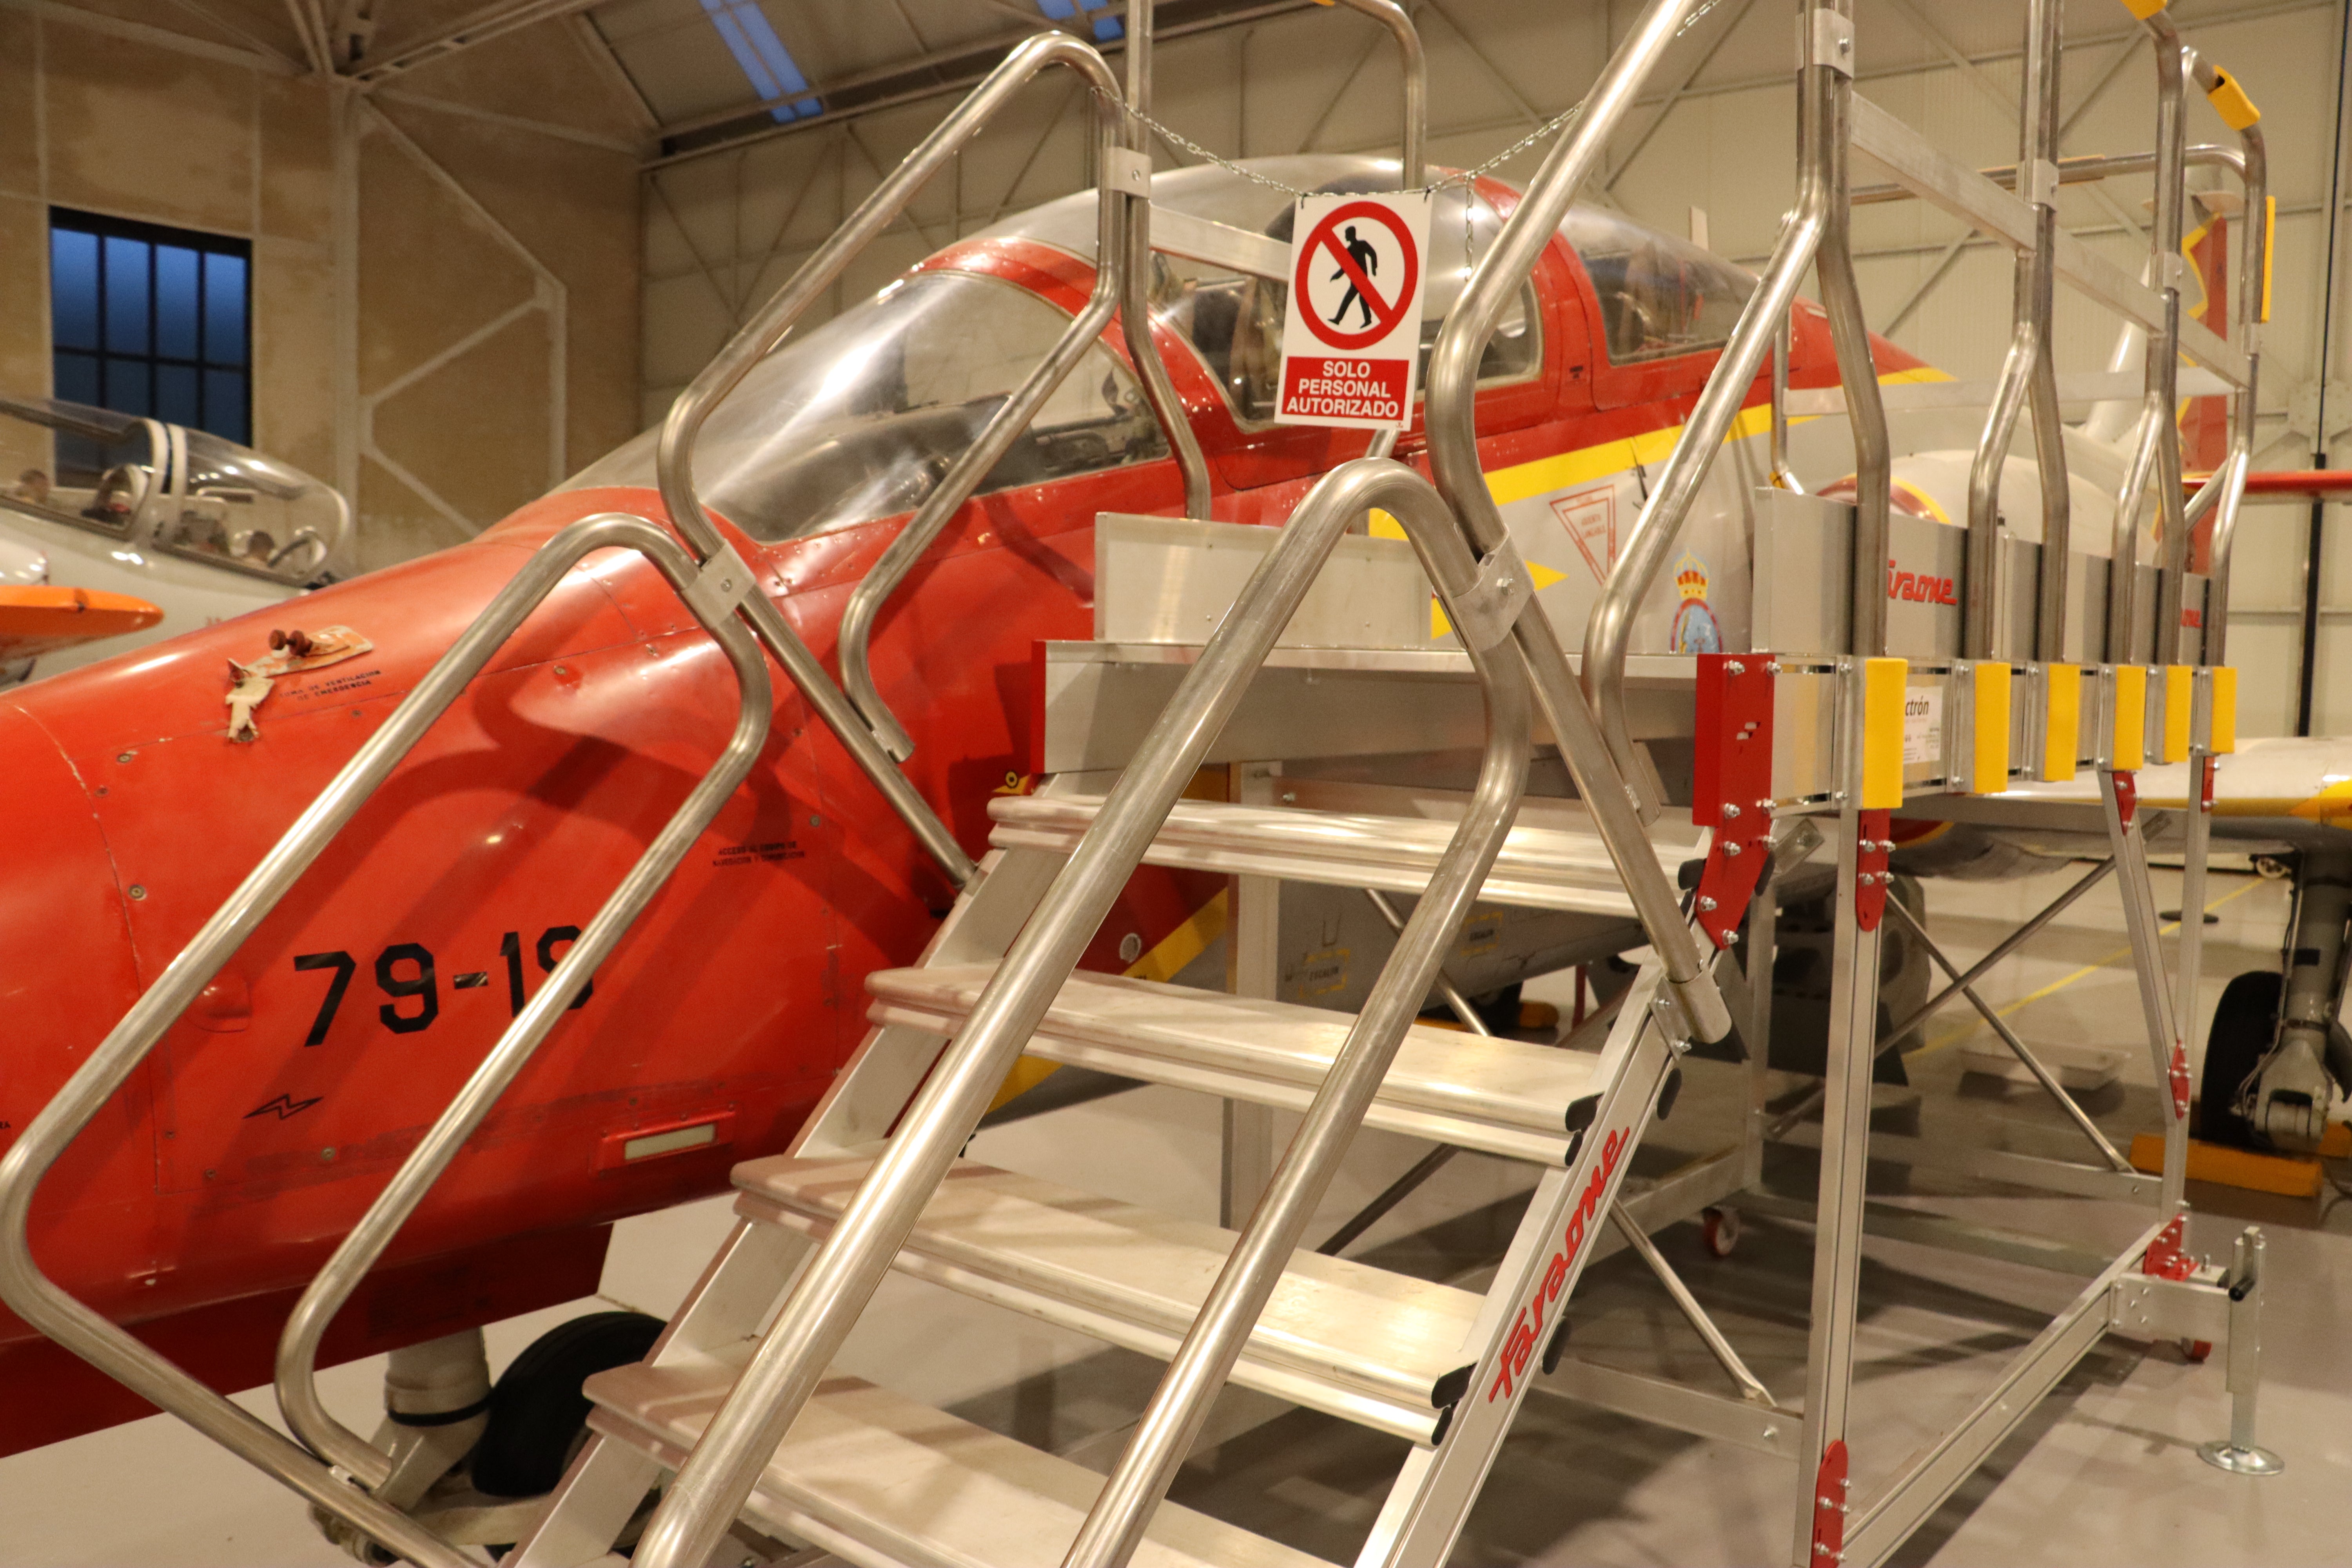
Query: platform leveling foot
x=2240, y=1454
x=2238, y=1461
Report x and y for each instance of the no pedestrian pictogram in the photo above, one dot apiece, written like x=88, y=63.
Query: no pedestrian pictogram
x=1336, y=242
x=1352, y=337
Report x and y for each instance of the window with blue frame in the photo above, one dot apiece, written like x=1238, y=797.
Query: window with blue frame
x=153, y=321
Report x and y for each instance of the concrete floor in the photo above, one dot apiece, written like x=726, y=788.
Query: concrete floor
x=2103, y=1472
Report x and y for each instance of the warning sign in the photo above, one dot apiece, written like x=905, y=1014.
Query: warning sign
x=1353, y=338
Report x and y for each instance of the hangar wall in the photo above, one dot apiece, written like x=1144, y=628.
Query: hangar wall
x=726, y=225
x=445, y=282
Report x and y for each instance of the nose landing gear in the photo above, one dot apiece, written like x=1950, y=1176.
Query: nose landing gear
x=2277, y=1054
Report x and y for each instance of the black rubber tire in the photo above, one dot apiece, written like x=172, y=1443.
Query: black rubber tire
x=537, y=1410
x=2243, y=1022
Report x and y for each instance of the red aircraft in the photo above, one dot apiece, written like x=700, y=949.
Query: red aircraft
x=209, y=1191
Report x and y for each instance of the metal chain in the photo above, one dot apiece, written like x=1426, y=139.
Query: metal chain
x=1465, y=178
x=1178, y=139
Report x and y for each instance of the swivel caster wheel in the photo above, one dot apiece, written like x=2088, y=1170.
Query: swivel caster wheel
x=1719, y=1228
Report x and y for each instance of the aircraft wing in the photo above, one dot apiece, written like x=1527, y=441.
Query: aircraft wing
x=35, y=620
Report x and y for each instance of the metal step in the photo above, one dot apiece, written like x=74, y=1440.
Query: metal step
x=880, y=1480
x=1539, y=868
x=1345, y=1338
x=1500, y=1097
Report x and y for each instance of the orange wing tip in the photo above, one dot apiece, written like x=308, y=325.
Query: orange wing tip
x=43, y=619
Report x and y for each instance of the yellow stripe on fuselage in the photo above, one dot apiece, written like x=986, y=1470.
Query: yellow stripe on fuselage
x=2331, y=807
x=1563, y=470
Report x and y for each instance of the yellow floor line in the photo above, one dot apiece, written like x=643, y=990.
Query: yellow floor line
x=2060, y=985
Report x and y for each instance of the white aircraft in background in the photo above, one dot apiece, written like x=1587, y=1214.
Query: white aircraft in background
x=135, y=530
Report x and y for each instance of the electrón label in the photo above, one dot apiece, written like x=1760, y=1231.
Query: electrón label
x=1351, y=334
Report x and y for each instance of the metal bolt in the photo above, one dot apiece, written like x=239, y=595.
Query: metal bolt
x=561, y=671
x=1733, y=666
x=1730, y=812
x=1705, y=905
x=123, y=756
x=814, y=821
x=326, y=1156
x=1731, y=939
x=1764, y=805
x=1731, y=849
x=1771, y=667
x=137, y=891
x=1290, y=798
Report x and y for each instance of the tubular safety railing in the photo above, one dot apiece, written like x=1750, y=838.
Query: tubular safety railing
x=2156, y=449
x=871, y=735
x=2030, y=371
x=2028, y=379
x=2155, y=452
x=1609, y=786
x=2249, y=163
x=2253, y=168
x=1122, y=283
x=841, y=1276
x=1812, y=233
x=712, y=591
x=1608, y=633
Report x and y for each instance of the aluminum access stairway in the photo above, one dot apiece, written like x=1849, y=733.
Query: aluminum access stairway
x=876, y=1478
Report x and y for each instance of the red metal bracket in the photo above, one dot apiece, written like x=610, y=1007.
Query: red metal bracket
x=2179, y=1076
x=2126, y=796
x=2165, y=1259
x=1732, y=785
x=1830, y=1488
x=2205, y=795
x=1872, y=876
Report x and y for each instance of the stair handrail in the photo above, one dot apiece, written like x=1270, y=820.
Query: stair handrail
x=1608, y=786
x=1122, y=277
x=840, y=1276
x=1170, y=1425
x=867, y=730
x=363, y=1244
x=48, y=1307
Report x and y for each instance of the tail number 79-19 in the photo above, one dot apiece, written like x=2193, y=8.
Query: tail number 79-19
x=404, y=972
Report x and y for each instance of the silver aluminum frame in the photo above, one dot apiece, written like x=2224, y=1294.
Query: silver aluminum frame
x=844, y=1271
